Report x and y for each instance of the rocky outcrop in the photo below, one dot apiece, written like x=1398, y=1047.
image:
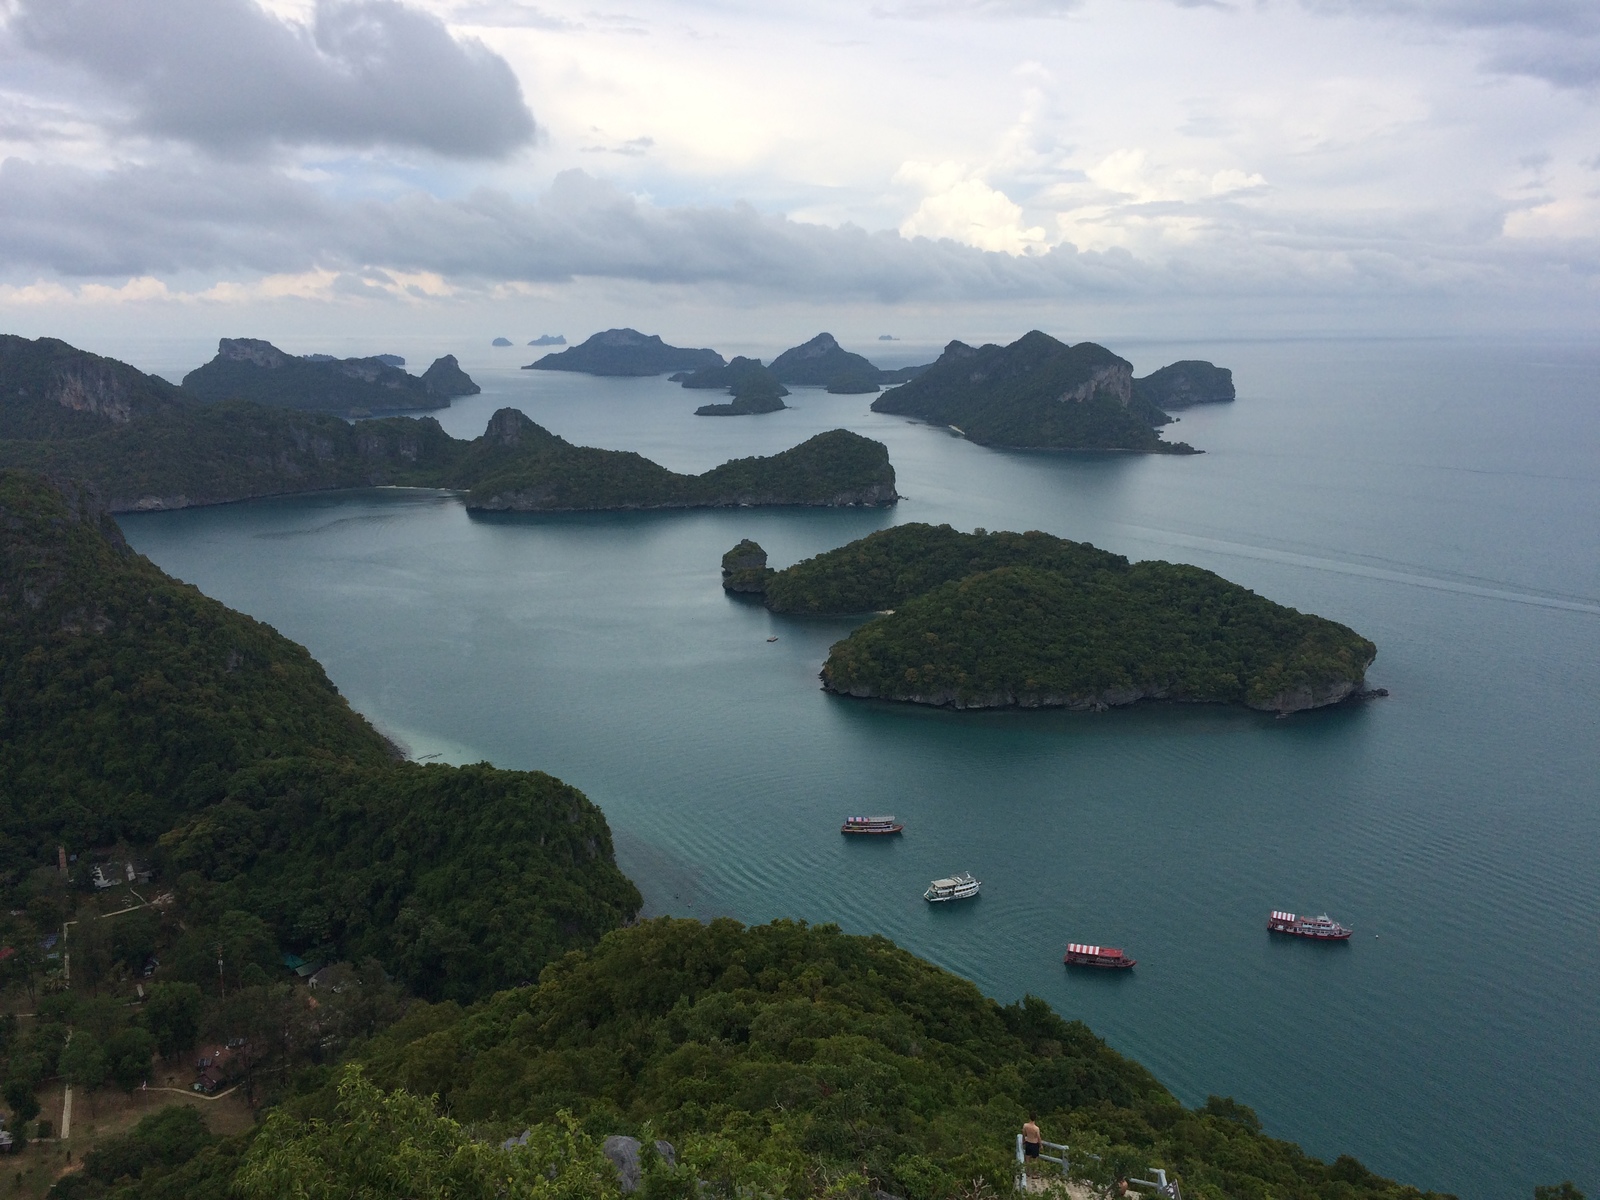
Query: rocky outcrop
x=49, y=389
x=1037, y=393
x=624, y=1154
x=1191, y=381
x=252, y=369
x=446, y=379
x=745, y=570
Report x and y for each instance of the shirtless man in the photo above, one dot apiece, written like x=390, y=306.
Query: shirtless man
x=1031, y=1138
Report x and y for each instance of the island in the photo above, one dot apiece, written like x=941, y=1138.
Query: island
x=549, y=339
x=753, y=387
x=745, y=570
x=146, y=445
x=823, y=363
x=251, y=369
x=1191, y=381
x=1036, y=394
x=517, y=466
x=501, y=341
x=626, y=352
x=996, y=620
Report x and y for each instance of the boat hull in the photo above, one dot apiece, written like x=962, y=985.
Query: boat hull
x=1098, y=962
x=889, y=832
x=1315, y=929
x=1315, y=936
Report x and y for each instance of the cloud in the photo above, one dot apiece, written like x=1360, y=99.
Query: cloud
x=1557, y=41
x=232, y=78
x=963, y=208
x=59, y=223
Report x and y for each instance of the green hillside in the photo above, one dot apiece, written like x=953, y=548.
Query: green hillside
x=789, y=1060
x=134, y=708
x=518, y=466
x=887, y=568
x=1030, y=637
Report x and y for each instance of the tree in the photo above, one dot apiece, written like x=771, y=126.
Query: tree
x=90, y=946
x=134, y=936
x=83, y=1061
x=20, y=1099
x=165, y=1138
x=172, y=1015
x=128, y=1057
x=1565, y=1190
x=248, y=950
x=392, y=1144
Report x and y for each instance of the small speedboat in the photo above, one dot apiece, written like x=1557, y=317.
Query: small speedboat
x=957, y=887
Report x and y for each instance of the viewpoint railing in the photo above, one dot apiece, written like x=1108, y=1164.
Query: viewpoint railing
x=1160, y=1184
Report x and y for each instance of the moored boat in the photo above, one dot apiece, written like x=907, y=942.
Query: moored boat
x=1104, y=957
x=1321, y=929
x=878, y=825
x=957, y=887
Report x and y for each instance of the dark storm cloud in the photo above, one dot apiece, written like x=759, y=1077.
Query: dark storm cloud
x=229, y=76
x=241, y=219
x=163, y=221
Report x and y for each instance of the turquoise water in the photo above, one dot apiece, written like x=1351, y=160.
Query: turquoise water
x=1442, y=498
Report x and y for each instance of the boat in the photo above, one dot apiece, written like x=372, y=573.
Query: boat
x=957, y=887
x=1104, y=957
x=877, y=825
x=1320, y=929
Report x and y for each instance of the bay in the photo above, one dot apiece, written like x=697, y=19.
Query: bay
x=1443, y=498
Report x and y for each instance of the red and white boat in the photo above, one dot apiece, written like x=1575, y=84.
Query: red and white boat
x=871, y=825
x=1320, y=929
x=1105, y=957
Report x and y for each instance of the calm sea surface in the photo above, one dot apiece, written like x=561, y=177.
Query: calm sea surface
x=1441, y=498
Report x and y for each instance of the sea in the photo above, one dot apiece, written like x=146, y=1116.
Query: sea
x=1442, y=497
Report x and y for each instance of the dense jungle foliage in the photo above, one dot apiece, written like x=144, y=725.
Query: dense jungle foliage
x=789, y=1060
x=145, y=444
x=134, y=708
x=885, y=569
x=1027, y=396
x=1022, y=635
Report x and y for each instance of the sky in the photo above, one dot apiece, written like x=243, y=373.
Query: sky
x=711, y=168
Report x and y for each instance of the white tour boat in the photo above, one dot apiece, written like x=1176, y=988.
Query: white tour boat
x=957, y=887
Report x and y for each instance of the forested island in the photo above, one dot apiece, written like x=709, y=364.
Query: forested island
x=518, y=466
x=145, y=444
x=626, y=352
x=822, y=362
x=488, y=1012
x=753, y=387
x=1039, y=393
x=251, y=369
x=990, y=620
